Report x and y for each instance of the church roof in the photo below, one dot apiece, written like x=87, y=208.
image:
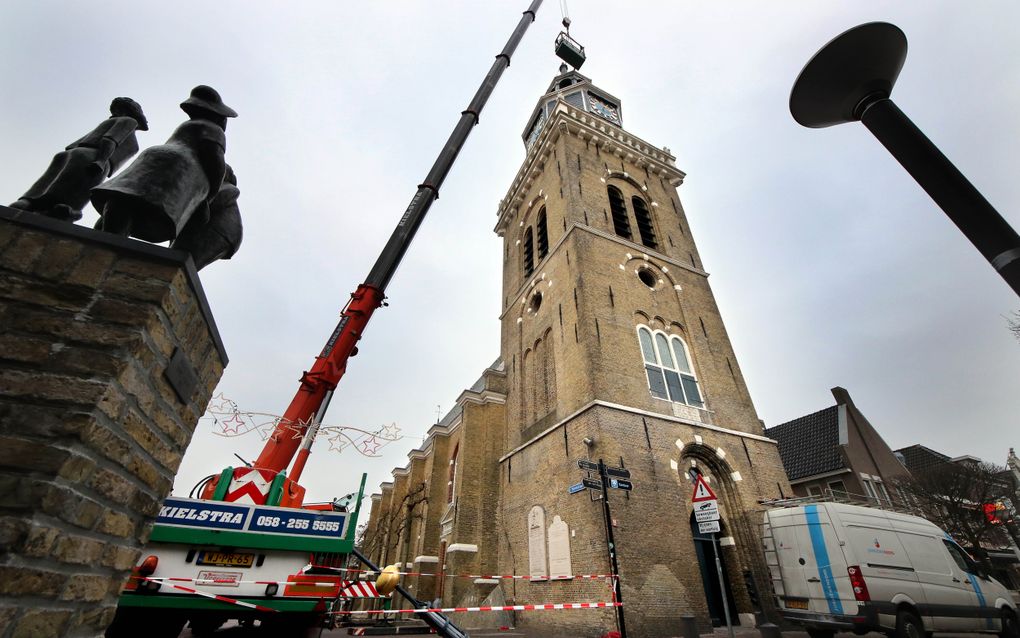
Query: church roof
x=809, y=445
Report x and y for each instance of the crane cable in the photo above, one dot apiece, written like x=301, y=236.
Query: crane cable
x=565, y=14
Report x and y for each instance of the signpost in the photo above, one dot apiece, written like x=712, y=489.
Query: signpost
x=620, y=482
x=706, y=513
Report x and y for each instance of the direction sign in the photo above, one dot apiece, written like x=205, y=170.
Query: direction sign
x=709, y=527
x=706, y=511
x=702, y=492
x=618, y=472
x=592, y=484
x=588, y=465
x=621, y=484
x=575, y=488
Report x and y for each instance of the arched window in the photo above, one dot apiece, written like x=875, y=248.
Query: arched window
x=451, y=485
x=543, y=234
x=668, y=367
x=644, y=222
x=529, y=253
x=621, y=225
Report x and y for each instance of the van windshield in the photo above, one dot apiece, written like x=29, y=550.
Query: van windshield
x=958, y=556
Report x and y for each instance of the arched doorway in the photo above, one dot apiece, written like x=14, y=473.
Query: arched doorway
x=706, y=552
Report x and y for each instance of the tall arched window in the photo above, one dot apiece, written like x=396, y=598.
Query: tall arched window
x=529, y=253
x=644, y=222
x=451, y=484
x=621, y=225
x=667, y=364
x=543, y=234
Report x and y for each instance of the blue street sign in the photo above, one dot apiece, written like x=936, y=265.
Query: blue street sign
x=575, y=488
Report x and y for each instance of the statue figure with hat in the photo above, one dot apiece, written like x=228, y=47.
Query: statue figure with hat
x=63, y=190
x=169, y=184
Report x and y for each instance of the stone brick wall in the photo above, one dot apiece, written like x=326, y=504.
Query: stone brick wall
x=92, y=430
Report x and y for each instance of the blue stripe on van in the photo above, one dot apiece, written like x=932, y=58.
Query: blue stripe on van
x=822, y=560
x=980, y=596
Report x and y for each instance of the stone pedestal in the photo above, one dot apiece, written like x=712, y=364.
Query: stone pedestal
x=108, y=357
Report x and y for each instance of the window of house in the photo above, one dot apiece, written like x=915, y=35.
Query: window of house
x=884, y=492
x=869, y=489
x=814, y=490
x=668, y=368
x=451, y=485
x=542, y=235
x=837, y=487
x=529, y=253
x=621, y=225
x=644, y=222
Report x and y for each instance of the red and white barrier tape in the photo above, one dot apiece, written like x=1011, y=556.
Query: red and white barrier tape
x=452, y=610
x=369, y=572
x=228, y=581
x=222, y=599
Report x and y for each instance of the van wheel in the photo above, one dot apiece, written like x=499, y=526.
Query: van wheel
x=909, y=625
x=821, y=633
x=1010, y=629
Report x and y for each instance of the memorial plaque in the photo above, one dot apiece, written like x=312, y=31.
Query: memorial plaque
x=559, y=550
x=538, y=566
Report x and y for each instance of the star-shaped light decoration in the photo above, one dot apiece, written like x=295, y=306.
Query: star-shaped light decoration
x=370, y=446
x=391, y=432
x=338, y=442
x=233, y=425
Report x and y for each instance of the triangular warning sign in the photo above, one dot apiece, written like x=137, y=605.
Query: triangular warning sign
x=702, y=492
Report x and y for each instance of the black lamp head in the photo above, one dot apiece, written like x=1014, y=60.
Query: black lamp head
x=861, y=63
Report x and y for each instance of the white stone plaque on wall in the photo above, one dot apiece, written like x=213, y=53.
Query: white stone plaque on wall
x=559, y=550
x=537, y=562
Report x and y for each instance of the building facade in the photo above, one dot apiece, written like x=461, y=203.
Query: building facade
x=612, y=347
x=836, y=452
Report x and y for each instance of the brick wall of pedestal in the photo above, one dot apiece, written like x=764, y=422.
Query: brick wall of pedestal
x=108, y=357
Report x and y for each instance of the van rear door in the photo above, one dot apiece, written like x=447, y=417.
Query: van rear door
x=812, y=561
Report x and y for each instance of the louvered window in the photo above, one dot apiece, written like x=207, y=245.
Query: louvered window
x=529, y=253
x=621, y=225
x=644, y=222
x=543, y=235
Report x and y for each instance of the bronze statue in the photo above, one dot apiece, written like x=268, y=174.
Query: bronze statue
x=220, y=237
x=63, y=190
x=169, y=184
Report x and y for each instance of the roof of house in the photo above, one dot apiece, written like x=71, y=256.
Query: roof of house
x=919, y=458
x=809, y=445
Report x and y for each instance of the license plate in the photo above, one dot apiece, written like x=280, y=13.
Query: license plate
x=796, y=604
x=224, y=559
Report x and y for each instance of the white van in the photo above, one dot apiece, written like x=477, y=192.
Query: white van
x=838, y=567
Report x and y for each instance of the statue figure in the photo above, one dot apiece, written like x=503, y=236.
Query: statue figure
x=220, y=237
x=63, y=190
x=168, y=184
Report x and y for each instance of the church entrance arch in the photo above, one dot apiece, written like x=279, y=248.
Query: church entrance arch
x=698, y=458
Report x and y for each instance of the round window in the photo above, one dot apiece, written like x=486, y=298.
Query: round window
x=536, y=302
x=646, y=277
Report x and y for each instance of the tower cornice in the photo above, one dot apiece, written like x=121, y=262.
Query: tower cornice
x=612, y=139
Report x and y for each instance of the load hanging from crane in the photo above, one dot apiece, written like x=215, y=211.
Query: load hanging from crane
x=568, y=49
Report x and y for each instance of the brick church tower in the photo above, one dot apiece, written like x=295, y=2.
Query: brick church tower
x=613, y=347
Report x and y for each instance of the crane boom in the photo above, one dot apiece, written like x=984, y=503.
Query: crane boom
x=318, y=383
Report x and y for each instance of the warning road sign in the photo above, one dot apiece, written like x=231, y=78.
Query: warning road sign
x=702, y=492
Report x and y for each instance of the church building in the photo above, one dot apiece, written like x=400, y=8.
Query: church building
x=612, y=348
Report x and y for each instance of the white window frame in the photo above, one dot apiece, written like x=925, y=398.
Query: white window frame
x=869, y=489
x=671, y=341
x=884, y=492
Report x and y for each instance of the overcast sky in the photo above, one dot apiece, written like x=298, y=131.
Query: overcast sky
x=830, y=265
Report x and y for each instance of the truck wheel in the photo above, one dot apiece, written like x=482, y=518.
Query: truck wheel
x=908, y=625
x=1010, y=628
x=821, y=633
x=205, y=626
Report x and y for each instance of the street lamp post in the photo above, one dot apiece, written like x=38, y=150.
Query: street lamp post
x=851, y=79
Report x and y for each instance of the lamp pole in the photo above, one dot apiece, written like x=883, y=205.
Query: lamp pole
x=851, y=79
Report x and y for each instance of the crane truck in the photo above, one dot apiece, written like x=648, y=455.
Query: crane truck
x=249, y=548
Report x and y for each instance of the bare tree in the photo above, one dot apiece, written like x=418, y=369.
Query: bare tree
x=1014, y=324
x=394, y=526
x=953, y=496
